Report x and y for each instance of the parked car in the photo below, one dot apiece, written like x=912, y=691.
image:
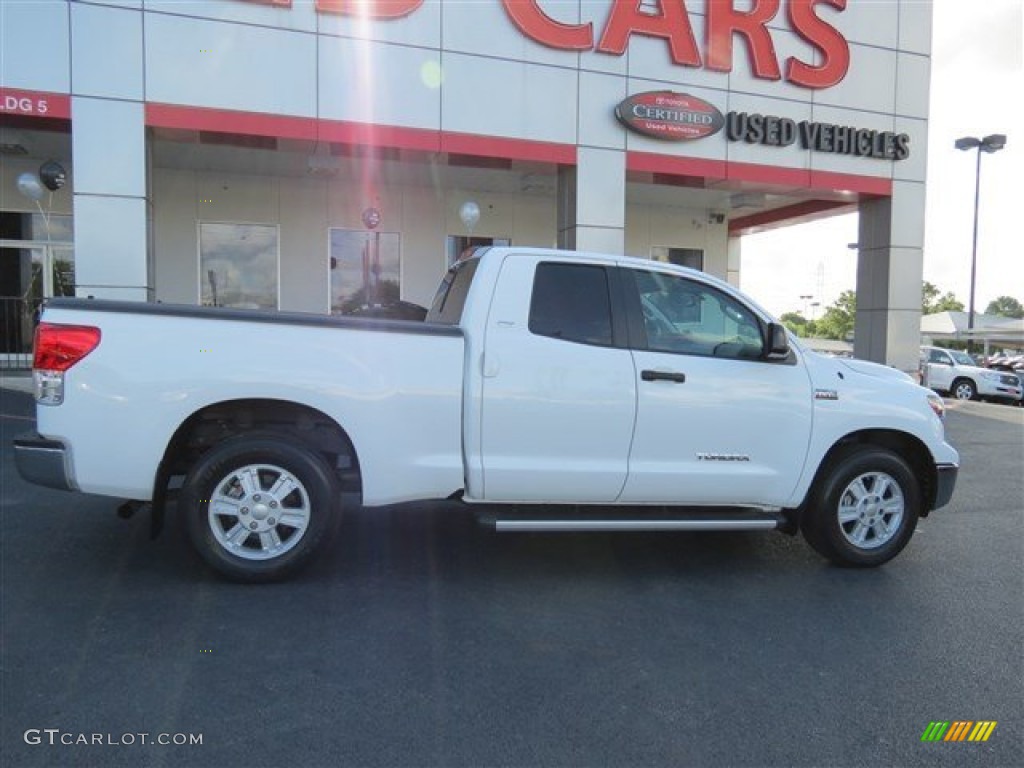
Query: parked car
x=543, y=384
x=956, y=373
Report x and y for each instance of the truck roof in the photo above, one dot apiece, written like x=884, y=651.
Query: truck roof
x=635, y=262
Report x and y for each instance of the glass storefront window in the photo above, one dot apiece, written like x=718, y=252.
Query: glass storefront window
x=684, y=257
x=63, y=272
x=55, y=228
x=60, y=230
x=365, y=268
x=238, y=265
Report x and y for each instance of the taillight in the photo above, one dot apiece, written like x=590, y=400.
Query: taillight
x=58, y=347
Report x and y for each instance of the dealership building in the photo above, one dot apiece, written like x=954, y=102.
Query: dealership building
x=319, y=155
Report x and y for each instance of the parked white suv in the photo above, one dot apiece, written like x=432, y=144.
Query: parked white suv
x=955, y=372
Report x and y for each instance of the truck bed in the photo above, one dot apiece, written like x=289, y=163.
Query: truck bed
x=395, y=386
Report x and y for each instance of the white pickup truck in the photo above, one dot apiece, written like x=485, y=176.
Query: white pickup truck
x=559, y=391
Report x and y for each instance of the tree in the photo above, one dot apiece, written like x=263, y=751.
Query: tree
x=798, y=324
x=1006, y=306
x=840, y=317
x=932, y=300
x=838, y=320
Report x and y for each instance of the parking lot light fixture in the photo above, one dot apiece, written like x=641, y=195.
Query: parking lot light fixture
x=990, y=144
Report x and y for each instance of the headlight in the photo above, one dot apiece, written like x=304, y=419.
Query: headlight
x=936, y=404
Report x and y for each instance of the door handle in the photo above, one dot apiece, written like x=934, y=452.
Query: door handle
x=678, y=378
x=491, y=365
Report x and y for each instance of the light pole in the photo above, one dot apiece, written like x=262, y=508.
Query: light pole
x=989, y=144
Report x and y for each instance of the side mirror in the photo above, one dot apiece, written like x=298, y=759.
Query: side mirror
x=778, y=342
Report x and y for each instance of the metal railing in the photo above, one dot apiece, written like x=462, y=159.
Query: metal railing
x=18, y=318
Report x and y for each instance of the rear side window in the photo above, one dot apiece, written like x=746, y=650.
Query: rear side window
x=451, y=294
x=571, y=302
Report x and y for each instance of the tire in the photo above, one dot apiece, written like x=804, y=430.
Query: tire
x=258, y=507
x=864, y=508
x=964, y=389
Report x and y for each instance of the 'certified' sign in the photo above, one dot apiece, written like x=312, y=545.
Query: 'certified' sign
x=669, y=115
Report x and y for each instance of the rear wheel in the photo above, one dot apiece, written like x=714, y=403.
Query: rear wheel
x=258, y=507
x=864, y=509
x=964, y=389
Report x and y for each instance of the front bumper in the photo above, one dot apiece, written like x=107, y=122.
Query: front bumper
x=1006, y=388
x=945, y=482
x=43, y=462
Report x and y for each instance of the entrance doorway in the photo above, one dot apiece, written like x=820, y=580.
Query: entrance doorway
x=36, y=263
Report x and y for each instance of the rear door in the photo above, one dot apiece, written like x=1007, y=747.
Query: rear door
x=558, y=394
x=940, y=370
x=716, y=422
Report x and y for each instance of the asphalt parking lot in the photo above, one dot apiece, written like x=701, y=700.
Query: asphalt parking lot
x=427, y=641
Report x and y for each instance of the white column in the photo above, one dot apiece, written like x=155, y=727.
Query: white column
x=109, y=158
x=734, y=252
x=889, y=277
x=592, y=202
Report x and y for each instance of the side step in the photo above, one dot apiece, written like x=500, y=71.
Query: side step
x=579, y=520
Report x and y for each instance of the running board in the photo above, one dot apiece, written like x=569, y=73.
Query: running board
x=718, y=520
x=562, y=526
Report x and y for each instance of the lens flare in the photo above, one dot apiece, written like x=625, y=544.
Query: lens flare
x=431, y=74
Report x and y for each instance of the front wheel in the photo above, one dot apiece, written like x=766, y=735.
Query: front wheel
x=258, y=507
x=864, y=509
x=964, y=389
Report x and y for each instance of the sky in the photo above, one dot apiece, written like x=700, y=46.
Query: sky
x=977, y=89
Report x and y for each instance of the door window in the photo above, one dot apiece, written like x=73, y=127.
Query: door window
x=571, y=302
x=365, y=268
x=688, y=317
x=938, y=356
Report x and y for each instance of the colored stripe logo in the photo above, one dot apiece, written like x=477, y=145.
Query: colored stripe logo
x=959, y=730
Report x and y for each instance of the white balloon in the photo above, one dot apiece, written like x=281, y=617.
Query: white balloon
x=30, y=186
x=469, y=212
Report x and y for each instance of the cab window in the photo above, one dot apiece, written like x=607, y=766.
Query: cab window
x=571, y=302
x=451, y=294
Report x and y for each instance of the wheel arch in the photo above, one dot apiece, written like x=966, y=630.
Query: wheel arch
x=216, y=422
x=910, y=448
x=963, y=378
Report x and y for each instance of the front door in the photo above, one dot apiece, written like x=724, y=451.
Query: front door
x=939, y=370
x=716, y=423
